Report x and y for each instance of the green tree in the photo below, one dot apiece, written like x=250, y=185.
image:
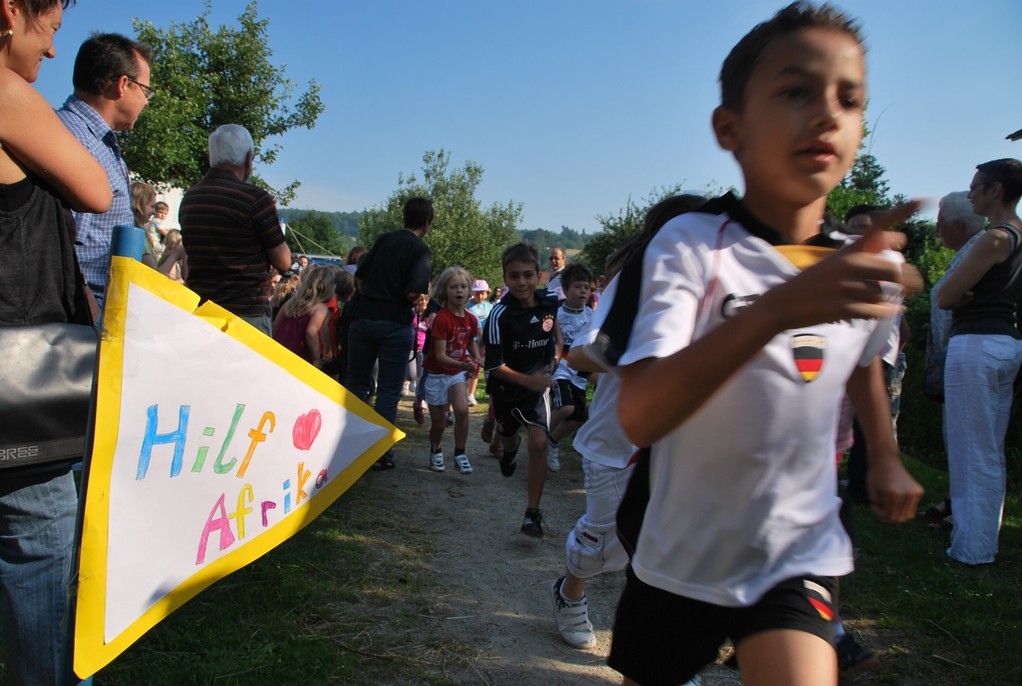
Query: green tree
x=620, y=228
x=205, y=78
x=864, y=184
x=313, y=233
x=464, y=232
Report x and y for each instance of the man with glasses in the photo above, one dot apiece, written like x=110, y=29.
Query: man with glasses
x=558, y=260
x=111, y=88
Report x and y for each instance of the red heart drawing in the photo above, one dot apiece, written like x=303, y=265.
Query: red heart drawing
x=306, y=429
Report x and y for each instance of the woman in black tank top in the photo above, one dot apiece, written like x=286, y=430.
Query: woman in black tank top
x=43, y=171
x=983, y=357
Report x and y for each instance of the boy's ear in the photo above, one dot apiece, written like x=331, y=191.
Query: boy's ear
x=725, y=128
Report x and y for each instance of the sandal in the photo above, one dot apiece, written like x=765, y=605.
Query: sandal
x=945, y=524
x=384, y=463
x=939, y=511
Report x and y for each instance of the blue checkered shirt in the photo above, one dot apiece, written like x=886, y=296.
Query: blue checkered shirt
x=93, y=231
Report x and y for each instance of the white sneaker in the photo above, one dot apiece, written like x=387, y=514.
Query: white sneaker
x=472, y=402
x=436, y=460
x=572, y=619
x=552, y=461
x=462, y=463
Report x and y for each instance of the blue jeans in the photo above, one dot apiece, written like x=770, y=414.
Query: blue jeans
x=390, y=345
x=37, y=528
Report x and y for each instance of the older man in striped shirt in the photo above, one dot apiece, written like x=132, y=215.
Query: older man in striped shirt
x=231, y=232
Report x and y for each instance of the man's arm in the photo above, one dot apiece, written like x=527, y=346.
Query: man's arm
x=892, y=490
x=280, y=257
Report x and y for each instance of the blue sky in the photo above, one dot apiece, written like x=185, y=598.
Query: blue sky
x=572, y=106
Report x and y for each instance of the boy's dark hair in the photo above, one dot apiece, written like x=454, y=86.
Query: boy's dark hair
x=1006, y=171
x=859, y=209
x=418, y=213
x=734, y=74
x=657, y=216
x=159, y=203
x=617, y=327
x=105, y=57
x=519, y=252
x=574, y=273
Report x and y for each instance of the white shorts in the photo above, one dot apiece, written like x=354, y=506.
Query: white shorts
x=438, y=387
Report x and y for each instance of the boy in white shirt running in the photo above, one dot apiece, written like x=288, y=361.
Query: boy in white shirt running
x=745, y=338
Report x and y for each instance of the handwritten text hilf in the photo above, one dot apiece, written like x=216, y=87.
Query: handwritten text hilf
x=294, y=490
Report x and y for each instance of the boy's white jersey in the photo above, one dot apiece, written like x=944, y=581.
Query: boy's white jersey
x=743, y=494
x=573, y=325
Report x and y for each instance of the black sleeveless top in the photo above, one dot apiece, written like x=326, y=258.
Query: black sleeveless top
x=37, y=261
x=993, y=309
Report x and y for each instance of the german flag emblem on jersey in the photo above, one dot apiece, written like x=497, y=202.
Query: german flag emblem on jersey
x=808, y=350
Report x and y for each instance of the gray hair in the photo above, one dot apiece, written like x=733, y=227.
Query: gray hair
x=229, y=144
x=956, y=206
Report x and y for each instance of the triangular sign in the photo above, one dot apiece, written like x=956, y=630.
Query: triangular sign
x=213, y=444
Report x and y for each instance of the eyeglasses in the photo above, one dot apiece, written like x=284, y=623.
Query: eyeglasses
x=148, y=91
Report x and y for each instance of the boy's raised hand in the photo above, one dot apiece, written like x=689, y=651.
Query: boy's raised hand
x=846, y=285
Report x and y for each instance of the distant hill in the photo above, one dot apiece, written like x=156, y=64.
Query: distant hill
x=569, y=239
x=345, y=223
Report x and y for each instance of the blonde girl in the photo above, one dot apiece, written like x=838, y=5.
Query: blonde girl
x=143, y=197
x=172, y=261
x=299, y=324
x=451, y=355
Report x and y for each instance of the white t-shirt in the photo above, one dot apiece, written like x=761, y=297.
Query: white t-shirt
x=572, y=325
x=601, y=439
x=743, y=494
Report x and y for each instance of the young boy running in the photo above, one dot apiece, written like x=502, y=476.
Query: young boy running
x=569, y=393
x=452, y=353
x=733, y=369
x=522, y=344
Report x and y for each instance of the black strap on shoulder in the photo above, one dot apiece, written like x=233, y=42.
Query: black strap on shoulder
x=1013, y=232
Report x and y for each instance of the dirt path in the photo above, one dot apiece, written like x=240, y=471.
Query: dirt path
x=492, y=584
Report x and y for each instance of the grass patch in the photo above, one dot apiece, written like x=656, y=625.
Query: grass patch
x=936, y=621
x=342, y=602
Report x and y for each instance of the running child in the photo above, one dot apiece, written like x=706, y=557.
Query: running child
x=734, y=366
x=593, y=546
x=450, y=356
x=522, y=349
x=481, y=308
x=569, y=392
